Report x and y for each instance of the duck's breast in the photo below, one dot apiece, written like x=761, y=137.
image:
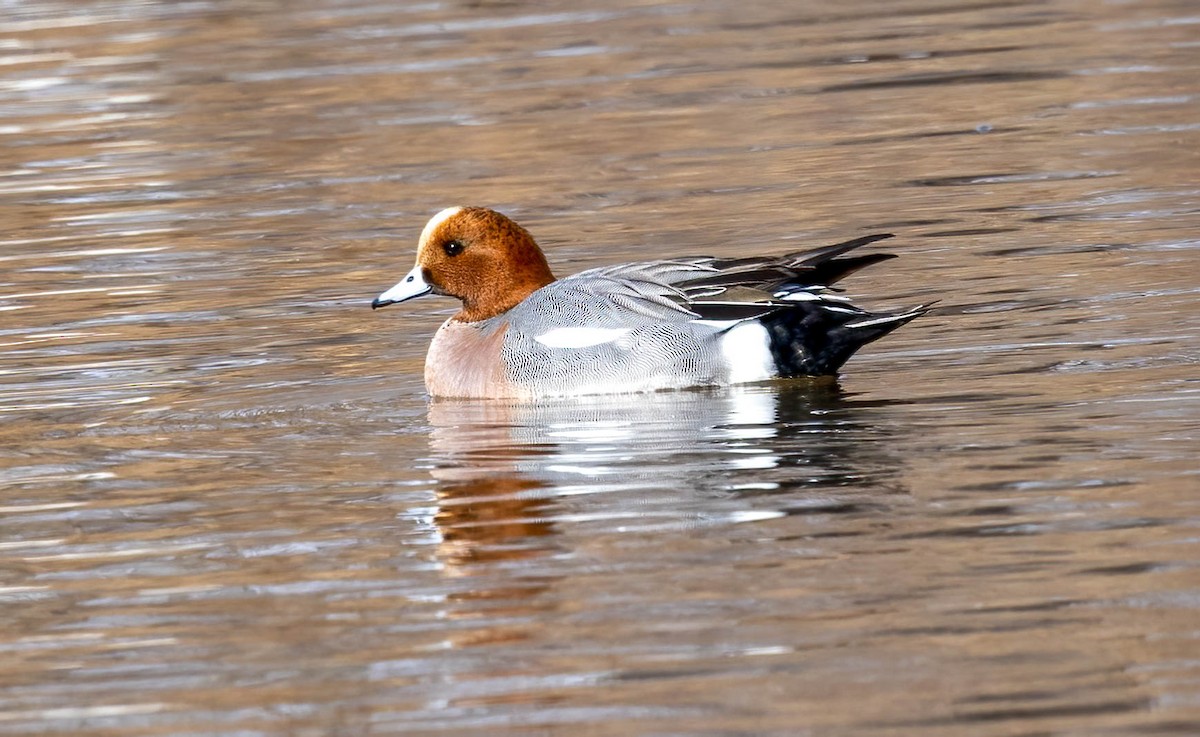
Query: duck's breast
x=465, y=360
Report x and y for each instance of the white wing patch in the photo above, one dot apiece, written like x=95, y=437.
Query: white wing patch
x=579, y=337
x=797, y=296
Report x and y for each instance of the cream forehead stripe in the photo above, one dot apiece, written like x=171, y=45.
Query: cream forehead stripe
x=434, y=222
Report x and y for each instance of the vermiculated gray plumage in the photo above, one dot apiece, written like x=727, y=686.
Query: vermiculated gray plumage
x=672, y=314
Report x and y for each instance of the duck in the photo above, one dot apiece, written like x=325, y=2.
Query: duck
x=673, y=323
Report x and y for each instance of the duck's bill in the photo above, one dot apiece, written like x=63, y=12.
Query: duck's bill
x=410, y=287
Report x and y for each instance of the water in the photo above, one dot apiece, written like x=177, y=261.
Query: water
x=228, y=508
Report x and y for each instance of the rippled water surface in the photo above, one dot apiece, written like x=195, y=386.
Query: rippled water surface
x=229, y=508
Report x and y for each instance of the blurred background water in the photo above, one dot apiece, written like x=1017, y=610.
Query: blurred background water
x=228, y=508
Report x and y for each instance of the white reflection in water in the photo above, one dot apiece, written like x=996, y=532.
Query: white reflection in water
x=601, y=433
x=507, y=472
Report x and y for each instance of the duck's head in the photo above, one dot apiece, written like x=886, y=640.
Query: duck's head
x=477, y=255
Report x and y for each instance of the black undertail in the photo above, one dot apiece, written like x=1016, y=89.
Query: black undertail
x=816, y=339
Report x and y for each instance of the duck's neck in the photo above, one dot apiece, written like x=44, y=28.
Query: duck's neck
x=500, y=299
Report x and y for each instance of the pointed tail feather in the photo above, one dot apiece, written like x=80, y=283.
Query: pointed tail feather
x=815, y=339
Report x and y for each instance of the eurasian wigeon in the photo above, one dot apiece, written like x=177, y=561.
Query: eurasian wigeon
x=637, y=327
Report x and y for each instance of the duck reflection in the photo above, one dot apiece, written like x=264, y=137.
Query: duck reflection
x=510, y=474
x=491, y=519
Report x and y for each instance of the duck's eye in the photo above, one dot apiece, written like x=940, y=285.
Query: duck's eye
x=453, y=248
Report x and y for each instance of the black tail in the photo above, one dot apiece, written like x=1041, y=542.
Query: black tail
x=815, y=338
x=812, y=332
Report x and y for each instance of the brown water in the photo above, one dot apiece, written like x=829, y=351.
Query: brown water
x=228, y=508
